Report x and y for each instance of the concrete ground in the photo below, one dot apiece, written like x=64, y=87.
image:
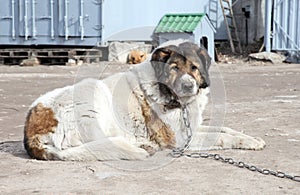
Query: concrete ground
x=261, y=100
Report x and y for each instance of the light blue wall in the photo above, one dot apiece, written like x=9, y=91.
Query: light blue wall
x=136, y=19
x=103, y=20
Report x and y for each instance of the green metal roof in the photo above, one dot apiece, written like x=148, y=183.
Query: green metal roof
x=179, y=23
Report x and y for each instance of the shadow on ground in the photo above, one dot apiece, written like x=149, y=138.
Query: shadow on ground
x=15, y=148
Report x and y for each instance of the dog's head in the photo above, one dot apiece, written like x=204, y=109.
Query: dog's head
x=136, y=57
x=181, y=69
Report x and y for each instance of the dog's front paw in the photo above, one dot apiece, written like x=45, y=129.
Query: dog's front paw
x=252, y=143
x=260, y=144
x=151, y=150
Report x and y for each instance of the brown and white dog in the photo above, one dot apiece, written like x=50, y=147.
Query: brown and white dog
x=136, y=57
x=131, y=115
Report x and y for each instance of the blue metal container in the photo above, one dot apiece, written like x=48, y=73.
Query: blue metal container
x=90, y=22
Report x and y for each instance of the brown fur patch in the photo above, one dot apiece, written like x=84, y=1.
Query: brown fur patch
x=136, y=57
x=157, y=129
x=195, y=72
x=40, y=121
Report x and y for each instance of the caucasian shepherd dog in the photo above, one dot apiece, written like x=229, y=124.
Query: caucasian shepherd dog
x=155, y=105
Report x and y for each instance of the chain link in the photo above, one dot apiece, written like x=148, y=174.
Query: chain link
x=239, y=164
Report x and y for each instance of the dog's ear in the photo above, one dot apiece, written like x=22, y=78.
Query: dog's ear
x=201, y=52
x=163, y=54
x=204, y=57
x=160, y=56
x=206, y=61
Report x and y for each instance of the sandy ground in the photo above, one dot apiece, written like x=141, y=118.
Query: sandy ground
x=261, y=100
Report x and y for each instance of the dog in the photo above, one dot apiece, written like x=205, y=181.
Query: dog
x=132, y=115
x=136, y=57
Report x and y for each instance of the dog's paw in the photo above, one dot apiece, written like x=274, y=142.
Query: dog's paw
x=260, y=144
x=252, y=143
x=138, y=154
x=151, y=150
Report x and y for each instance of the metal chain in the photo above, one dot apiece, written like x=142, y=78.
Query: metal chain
x=239, y=164
x=179, y=152
x=188, y=130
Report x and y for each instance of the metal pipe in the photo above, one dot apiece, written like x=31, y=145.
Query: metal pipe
x=298, y=24
x=285, y=21
x=246, y=31
x=66, y=20
x=291, y=21
x=26, y=20
x=33, y=19
x=81, y=19
x=52, y=19
x=268, y=15
x=276, y=22
x=13, y=31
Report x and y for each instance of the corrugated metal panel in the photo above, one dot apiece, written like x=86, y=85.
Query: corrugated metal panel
x=36, y=18
x=50, y=22
x=79, y=18
x=286, y=25
x=8, y=18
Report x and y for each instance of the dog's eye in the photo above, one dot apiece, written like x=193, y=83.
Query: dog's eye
x=141, y=56
x=176, y=68
x=194, y=68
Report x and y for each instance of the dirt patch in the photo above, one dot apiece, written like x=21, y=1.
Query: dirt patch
x=261, y=101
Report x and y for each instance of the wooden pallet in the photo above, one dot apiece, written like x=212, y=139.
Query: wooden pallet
x=51, y=56
x=87, y=55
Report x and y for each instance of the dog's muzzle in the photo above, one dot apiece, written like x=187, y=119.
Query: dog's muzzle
x=187, y=86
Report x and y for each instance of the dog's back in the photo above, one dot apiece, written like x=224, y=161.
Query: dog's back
x=77, y=123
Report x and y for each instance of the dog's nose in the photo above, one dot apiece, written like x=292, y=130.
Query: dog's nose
x=203, y=85
x=187, y=86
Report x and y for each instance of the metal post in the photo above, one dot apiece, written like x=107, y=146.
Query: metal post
x=291, y=21
x=66, y=20
x=52, y=18
x=26, y=20
x=246, y=31
x=33, y=19
x=276, y=21
x=81, y=19
x=298, y=25
x=13, y=31
x=268, y=15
